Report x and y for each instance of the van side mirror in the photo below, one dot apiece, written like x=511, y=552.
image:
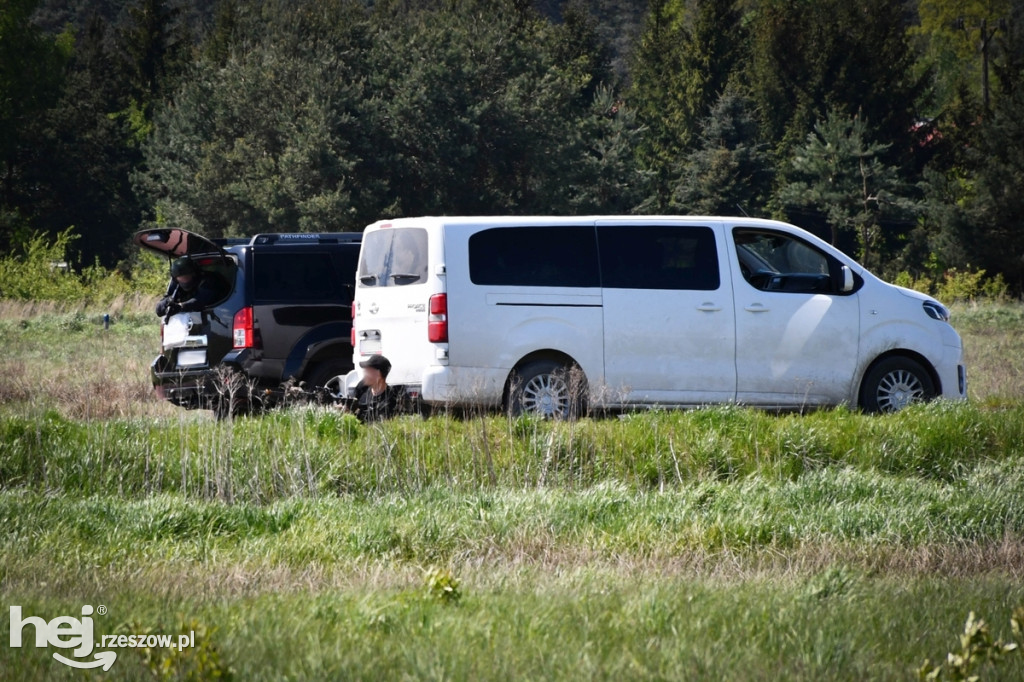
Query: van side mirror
x=847, y=284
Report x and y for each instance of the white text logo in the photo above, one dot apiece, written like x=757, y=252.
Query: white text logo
x=63, y=632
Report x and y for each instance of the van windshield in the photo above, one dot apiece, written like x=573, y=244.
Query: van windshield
x=393, y=257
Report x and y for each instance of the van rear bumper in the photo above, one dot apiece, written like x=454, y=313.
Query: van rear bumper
x=477, y=386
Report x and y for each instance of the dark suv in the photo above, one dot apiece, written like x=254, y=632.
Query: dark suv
x=285, y=316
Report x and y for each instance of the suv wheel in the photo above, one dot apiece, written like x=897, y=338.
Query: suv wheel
x=549, y=389
x=330, y=377
x=237, y=405
x=234, y=396
x=895, y=383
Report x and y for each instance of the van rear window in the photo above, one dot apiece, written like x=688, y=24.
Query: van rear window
x=658, y=257
x=534, y=257
x=393, y=257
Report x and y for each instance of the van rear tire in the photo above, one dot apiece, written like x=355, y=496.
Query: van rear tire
x=894, y=383
x=549, y=389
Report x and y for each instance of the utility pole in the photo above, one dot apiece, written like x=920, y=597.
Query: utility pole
x=986, y=37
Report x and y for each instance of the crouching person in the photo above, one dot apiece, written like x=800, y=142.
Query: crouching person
x=373, y=400
x=189, y=290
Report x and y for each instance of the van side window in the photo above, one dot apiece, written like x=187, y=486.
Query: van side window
x=295, y=276
x=393, y=257
x=775, y=261
x=658, y=257
x=534, y=257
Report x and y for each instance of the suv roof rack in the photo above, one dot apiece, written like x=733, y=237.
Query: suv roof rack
x=230, y=241
x=306, y=238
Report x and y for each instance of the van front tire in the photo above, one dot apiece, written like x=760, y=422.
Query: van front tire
x=548, y=389
x=894, y=383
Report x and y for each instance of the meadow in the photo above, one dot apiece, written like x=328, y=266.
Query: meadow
x=720, y=543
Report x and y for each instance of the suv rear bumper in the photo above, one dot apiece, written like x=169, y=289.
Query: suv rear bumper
x=193, y=388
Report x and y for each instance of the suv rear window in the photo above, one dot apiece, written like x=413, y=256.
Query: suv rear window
x=535, y=256
x=296, y=277
x=658, y=257
x=393, y=257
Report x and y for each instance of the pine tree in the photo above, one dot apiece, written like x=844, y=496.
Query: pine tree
x=809, y=57
x=730, y=172
x=31, y=74
x=841, y=173
x=685, y=57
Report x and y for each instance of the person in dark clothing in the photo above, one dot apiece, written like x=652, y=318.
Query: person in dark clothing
x=373, y=399
x=189, y=290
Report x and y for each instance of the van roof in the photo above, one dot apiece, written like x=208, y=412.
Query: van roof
x=523, y=221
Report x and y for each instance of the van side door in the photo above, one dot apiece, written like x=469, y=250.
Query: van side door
x=797, y=334
x=669, y=320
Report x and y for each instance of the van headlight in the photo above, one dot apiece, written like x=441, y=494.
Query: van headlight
x=936, y=311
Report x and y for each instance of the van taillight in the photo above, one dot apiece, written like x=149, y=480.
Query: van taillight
x=352, y=334
x=243, y=333
x=437, y=321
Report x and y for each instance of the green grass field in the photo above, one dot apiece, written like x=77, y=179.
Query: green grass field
x=721, y=543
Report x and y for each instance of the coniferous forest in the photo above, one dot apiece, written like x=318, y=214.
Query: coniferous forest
x=893, y=129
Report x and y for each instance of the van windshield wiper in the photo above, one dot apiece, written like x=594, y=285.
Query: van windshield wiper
x=368, y=280
x=404, y=275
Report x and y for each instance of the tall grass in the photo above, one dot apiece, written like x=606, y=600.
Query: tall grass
x=833, y=509
x=311, y=452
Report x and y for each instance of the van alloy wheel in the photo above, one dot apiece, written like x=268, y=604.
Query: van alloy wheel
x=549, y=389
x=897, y=390
x=894, y=384
x=546, y=395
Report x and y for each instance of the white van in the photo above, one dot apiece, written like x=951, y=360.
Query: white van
x=555, y=315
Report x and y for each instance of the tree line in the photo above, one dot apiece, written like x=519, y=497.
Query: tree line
x=893, y=129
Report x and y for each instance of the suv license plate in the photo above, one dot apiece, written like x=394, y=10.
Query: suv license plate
x=191, y=358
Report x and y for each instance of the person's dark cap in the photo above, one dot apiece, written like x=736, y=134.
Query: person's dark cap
x=378, y=362
x=183, y=266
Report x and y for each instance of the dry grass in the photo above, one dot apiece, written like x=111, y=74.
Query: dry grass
x=993, y=338
x=234, y=578
x=57, y=356
x=121, y=306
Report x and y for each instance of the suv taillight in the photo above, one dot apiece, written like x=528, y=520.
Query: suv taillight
x=352, y=334
x=243, y=333
x=437, y=322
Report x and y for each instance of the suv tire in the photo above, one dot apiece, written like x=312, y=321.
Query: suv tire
x=328, y=375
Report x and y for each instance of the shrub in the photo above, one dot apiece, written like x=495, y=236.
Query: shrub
x=43, y=271
x=955, y=285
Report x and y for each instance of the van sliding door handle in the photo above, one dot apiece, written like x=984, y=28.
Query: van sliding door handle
x=756, y=308
x=709, y=307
